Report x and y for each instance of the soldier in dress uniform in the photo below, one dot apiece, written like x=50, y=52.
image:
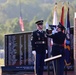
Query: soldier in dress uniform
x=58, y=48
x=39, y=46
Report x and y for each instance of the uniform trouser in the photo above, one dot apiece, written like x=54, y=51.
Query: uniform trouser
x=59, y=66
x=40, y=63
x=59, y=63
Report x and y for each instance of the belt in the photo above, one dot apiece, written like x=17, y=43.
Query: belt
x=58, y=44
x=40, y=42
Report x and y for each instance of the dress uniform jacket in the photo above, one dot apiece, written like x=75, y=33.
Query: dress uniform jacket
x=58, y=48
x=39, y=41
x=58, y=42
x=39, y=44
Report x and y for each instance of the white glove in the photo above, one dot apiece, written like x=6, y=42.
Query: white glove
x=47, y=26
x=34, y=53
x=54, y=31
x=46, y=51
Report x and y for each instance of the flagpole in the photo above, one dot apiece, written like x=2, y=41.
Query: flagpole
x=20, y=6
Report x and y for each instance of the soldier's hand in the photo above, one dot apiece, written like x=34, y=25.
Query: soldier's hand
x=34, y=53
x=54, y=31
x=46, y=51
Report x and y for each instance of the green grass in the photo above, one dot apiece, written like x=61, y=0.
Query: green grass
x=1, y=62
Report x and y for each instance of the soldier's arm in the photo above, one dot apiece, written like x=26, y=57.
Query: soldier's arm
x=46, y=47
x=50, y=35
x=33, y=41
x=46, y=43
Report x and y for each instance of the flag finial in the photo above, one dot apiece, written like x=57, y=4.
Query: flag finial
x=55, y=6
x=56, y=3
x=68, y=3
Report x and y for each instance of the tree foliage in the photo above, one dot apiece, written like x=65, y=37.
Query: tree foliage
x=32, y=10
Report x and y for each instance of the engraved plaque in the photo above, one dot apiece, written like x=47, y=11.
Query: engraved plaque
x=18, y=49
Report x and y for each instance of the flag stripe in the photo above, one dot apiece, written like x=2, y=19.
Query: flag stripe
x=21, y=23
x=62, y=16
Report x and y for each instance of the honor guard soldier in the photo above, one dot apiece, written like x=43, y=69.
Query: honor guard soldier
x=58, y=48
x=39, y=46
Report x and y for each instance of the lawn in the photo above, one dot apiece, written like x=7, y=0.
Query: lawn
x=1, y=62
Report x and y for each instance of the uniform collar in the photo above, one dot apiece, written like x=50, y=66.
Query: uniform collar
x=40, y=30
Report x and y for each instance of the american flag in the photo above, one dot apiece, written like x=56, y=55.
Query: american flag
x=62, y=16
x=21, y=23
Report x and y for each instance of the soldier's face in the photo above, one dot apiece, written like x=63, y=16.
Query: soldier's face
x=58, y=29
x=40, y=27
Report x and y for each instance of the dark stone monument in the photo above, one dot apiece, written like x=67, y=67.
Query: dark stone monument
x=18, y=55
